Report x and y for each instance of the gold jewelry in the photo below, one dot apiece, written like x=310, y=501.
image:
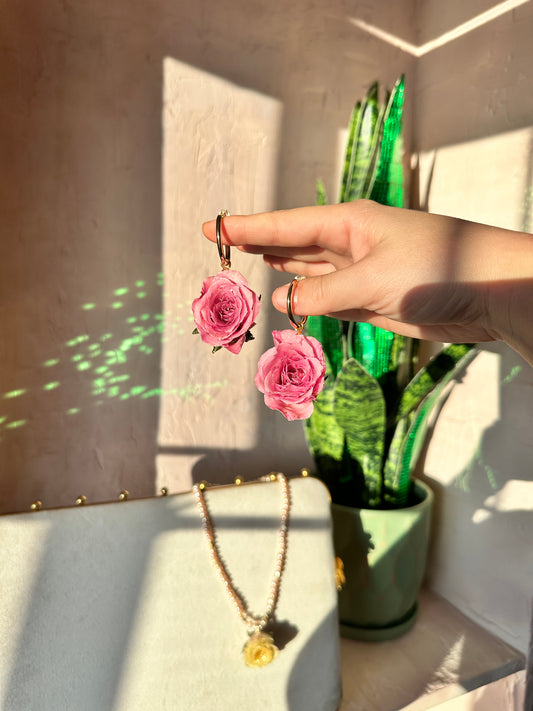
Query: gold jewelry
x=297, y=325
x=227, y=308
x=260, y=649
x=223, y=250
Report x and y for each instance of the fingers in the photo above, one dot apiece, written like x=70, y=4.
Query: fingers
x=313, y=253
x=318, y=226
x=327, y=293
x=295, y=266
x=307, y=263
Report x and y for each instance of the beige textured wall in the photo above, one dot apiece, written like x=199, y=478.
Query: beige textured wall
x=123, y=127
x=473, y=109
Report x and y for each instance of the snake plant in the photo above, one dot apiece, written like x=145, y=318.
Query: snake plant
x=370, y=421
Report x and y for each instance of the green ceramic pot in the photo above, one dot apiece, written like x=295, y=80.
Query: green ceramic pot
x=384, y=555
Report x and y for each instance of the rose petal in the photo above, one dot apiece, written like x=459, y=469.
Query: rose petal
x=291, y=374
x=226, y=310
x=235, y=346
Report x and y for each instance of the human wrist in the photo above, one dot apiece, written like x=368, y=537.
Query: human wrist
x=509, y=298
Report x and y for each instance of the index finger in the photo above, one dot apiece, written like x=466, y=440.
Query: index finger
x=320, y=225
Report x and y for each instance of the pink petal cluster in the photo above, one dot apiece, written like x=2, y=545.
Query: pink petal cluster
x=226, y=310
x=291, y=374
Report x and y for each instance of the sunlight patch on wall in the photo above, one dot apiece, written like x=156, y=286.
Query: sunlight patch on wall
x=514, y=496
x=465, y=180
x=445, y=38
x=220, y=151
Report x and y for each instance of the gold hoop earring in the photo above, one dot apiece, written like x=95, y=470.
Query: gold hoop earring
x=297, y=325
x=224, y=250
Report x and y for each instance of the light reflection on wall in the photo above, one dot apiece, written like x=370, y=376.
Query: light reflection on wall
x=105, y=360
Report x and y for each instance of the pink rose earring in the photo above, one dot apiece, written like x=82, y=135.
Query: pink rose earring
x=292, y=373
x=227, y=307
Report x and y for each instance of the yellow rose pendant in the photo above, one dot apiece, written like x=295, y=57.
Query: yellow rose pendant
x=259, y=650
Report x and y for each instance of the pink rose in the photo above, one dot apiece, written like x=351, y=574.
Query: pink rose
x=226, y=310
x=291, y=374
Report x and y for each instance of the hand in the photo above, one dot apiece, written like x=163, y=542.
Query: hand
x=421, y=275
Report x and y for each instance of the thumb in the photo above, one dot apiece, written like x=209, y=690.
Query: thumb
x=337, y=291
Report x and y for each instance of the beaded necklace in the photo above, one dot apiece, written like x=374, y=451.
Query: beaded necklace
x=260, y=649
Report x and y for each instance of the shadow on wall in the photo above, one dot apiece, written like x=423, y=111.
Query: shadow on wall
x=81, y=205
x=81, y=211
x=80, y=257
x=477, y=83
x=80, y=254
x=484, y=512
x=81, y=251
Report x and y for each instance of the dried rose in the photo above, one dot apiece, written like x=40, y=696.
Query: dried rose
x=260, y=650
x=226, y=310
x=291, y=374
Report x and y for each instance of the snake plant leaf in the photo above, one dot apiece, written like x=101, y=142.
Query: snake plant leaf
x=405, y=449
x=324, y=436
x=321, y=197
x=419, y=428
x=374, y=156
x=361, y=158
x=328, y=331
x=410, y=433
x=372, y=348
x=388, y=184
x=350, y=429
x=359, y=408
x=395, y=489
x=403, y=359
x=428, y=376
x=374, y=345
x=354, y=128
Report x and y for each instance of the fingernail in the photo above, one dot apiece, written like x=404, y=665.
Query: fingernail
x=279, y=298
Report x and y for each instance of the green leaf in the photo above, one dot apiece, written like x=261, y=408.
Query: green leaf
x=428, y=376
x=405, y=448
x=372, y=348
x=329, y=332
x=361, y=153
x=403, y=357
x=347, y=433
x=216, y=348
x=388, y=184
x=419, y=428
x=321, y=197
x=354, y=127
x=324, y=436
x=195, y=332
x=396, y=490
x=411, y=429
x=359, y=409
x=417, y=432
